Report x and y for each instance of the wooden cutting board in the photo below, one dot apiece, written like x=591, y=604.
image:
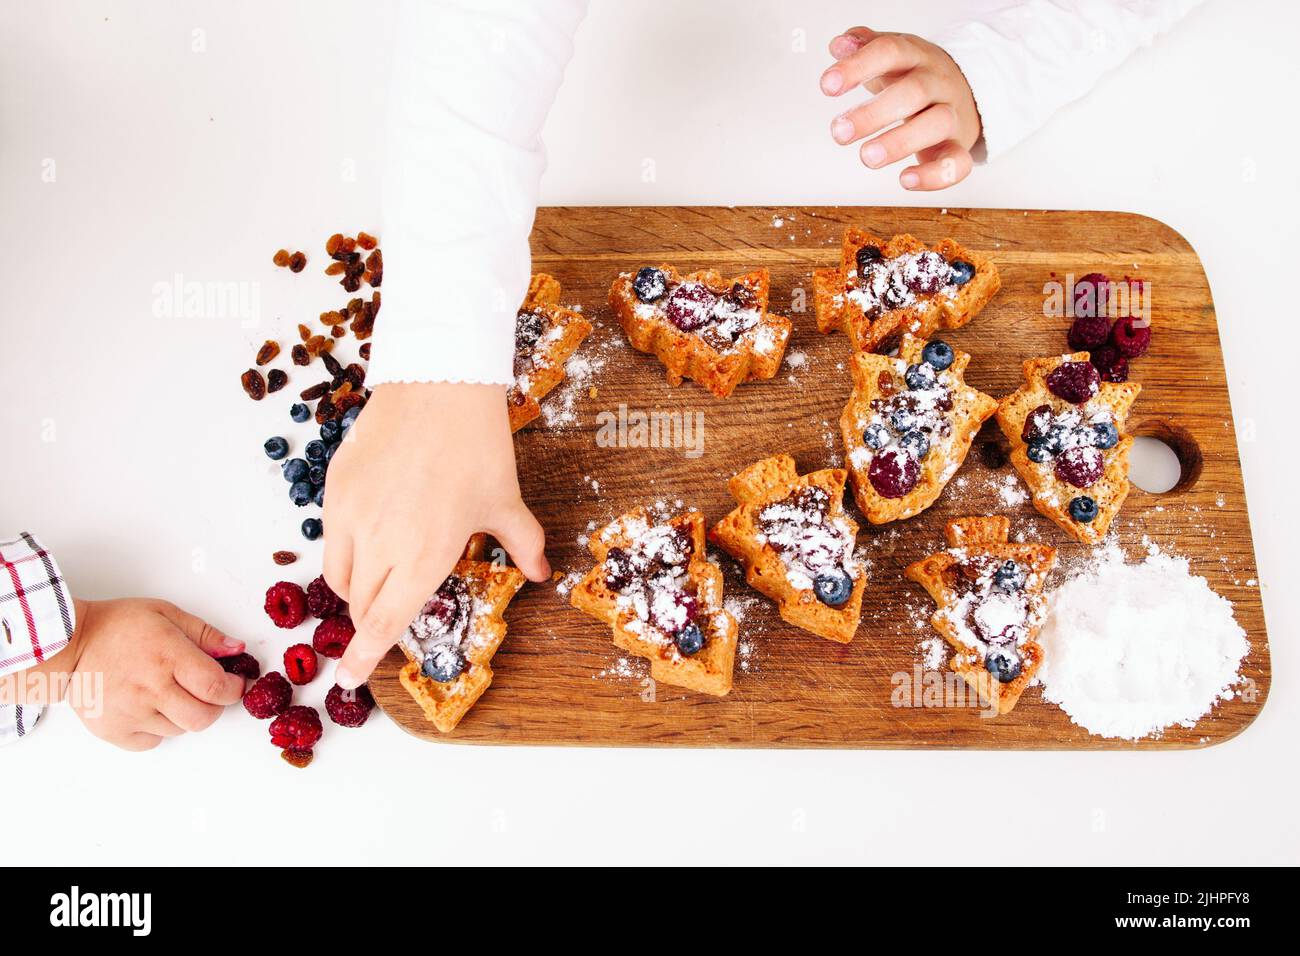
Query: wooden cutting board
x=559, y=679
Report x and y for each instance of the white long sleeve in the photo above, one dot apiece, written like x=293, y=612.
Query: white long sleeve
x=472, y=83
x=1027, y=60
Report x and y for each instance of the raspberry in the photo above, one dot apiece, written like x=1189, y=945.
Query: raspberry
x=268, y=697
x=245, y=665
x=1112, y=366
x=333, y=635
x=1076, y=382
x=1089, y=332
x=349, y=708
x=1131, y=338
x=298, y=728
x=300, y=664
x=297, y=758
x=1037, y=424
x=893, y=473
x=321, y=601
x=1091, y=294
x=1081, y=466
x=690, y=305
x=286, y=604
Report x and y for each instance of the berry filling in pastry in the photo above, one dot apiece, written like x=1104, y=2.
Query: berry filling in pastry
x=1071, y=442
x=440, y=635
x=880, y=284
x=816, y=549
x=720, y=318
x=650, y=576
x=993, y=612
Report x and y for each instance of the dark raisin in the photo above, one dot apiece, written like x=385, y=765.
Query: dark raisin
x=299, y=355
x=254, y=384
x=338, y=331
x=350, y=283
x=276, y=379
x=356, y=374
x=331, y=364
x=283, y=558
x=297, y=262
x=365, y=352
x=319, y=390
x=326, y=411
x=267, y=353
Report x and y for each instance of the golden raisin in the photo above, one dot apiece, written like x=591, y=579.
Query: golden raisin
x=269, y=350
x=281, y=258
x=366, y=241
x=304, y=333
x=298, y=758
x=283, y=558
x=333, y=318
x=335, y=268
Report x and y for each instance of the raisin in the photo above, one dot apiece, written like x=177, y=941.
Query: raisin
x=298, y=758
x=297, y=262
x=366, y=241
x=276, y=379
x=299, y=355
x=283, y=558
x=344, y=247
x=319, y=390
x=356, y=375
x=375, y=268
x=350, y=283
x=338, y=331
x=304, y=333
x=334, y=268
x=281, y=257
x=354, y=305
x=332, y=318
x=331, y=364
x=365, y=352
x=325, y=411
x=314, y=345
x=349, y=400
x=267, y=353
x=254, y=384
x=341, y=392
x=332, y=244
x=885, y=383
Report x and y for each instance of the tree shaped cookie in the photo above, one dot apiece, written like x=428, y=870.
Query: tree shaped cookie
x=796, y=543
x=546, y=336
x=989, y=593
x=449, y=647
x=655, y=586
x=883, y=289
x=702, y=326
x=1066, y=429
x=908, y=426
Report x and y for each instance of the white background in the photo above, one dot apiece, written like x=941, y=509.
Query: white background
x=202, y=161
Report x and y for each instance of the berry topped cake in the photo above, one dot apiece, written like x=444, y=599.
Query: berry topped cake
x=908, y=426
x=1066, y=428
x=796, y=543
x=989, y=593
x=702, y=326
x=449, y=646
x=883, y=289
x=546, y=336
x=655, y=586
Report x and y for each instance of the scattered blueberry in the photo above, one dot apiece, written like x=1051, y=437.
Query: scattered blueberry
x=960, y=272
x=1038, y=451
x=318, y=496
x=902, y=418
x=650, y=284
x=300, y=493
x=1009, y=576
x=1083, y=509
x=299, y=412
x=867, y=255
x=315, y=450
x=916, y=443
x=276, y=448
x=329, y=452
x=316, y=474
x=833, y=588
x=349, y=417
x=938, y=355
x=312, y=529
x=1106, y=435
x=1003, y=665
x=330, y=431
x=295, y=469
x=876, y=436
x=920, y=377
x=689, y=640
x=444, y=664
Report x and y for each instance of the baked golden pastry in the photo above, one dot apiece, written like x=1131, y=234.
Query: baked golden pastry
x=546, y=336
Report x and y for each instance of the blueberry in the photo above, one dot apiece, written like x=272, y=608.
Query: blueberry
x=1009, y=577
x=330, y=430
x=1105, y=435
x=1038, y=451
x=915, y=443
x=920, y=377
x=1083, y=509
x=650, y=284
x=315, y=450
x=689, y=640
x=329, y=452
x=902, y=418
x=316, y=474
x=876, y=436
x=867, y=255
x=300, y=493
x=833, y=588
x=1003, y=665
x=295, y=469
x=349, y=417
x=938, y=355
x=1056, y=437
x=299, y=412
x=276, y=448
x=318, y=495
x=444, y=664
x=312, y=529
x=960, y=272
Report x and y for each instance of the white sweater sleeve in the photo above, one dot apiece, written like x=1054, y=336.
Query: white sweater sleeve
x=1025, y=61
x=471, y=86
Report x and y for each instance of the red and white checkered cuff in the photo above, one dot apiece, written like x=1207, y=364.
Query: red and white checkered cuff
x=37, y=616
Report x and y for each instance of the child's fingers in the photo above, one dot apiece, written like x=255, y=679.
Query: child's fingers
x=899, y=101
x=885, y=53
x=178, y=704
x=404, y=593
x=208, y=639
x=203, y=678
x=850, y=41
x=933, y=125
x=521, y=535
x=137, y=742
x=160, y=726
x=941, y=166
x=337, y=566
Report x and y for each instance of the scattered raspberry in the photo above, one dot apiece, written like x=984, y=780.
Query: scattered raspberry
x=333, y=635
x=349, y=708
x=300, y=664
x=1130, y=337
x=1075, y=382
x=297, y=758
x=286, y=604
x=1112, y=366
x=1081, y=466
x=1091, y=294
x=1089, y=332
x=268, y=697
x=245, y=665
x=298, y=728
x=321, y=601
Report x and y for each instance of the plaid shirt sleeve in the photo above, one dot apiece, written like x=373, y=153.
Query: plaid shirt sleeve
x=37, y=618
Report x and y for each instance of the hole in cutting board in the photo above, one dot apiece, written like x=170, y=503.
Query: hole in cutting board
x=1164, y=458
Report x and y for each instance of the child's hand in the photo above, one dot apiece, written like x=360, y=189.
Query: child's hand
x=159, y=678
x=424, y=467
x=915, y=81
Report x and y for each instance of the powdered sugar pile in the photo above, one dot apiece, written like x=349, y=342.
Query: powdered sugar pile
x=1131, y=649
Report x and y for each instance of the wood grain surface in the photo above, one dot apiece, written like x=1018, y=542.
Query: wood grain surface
x=559, y=680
